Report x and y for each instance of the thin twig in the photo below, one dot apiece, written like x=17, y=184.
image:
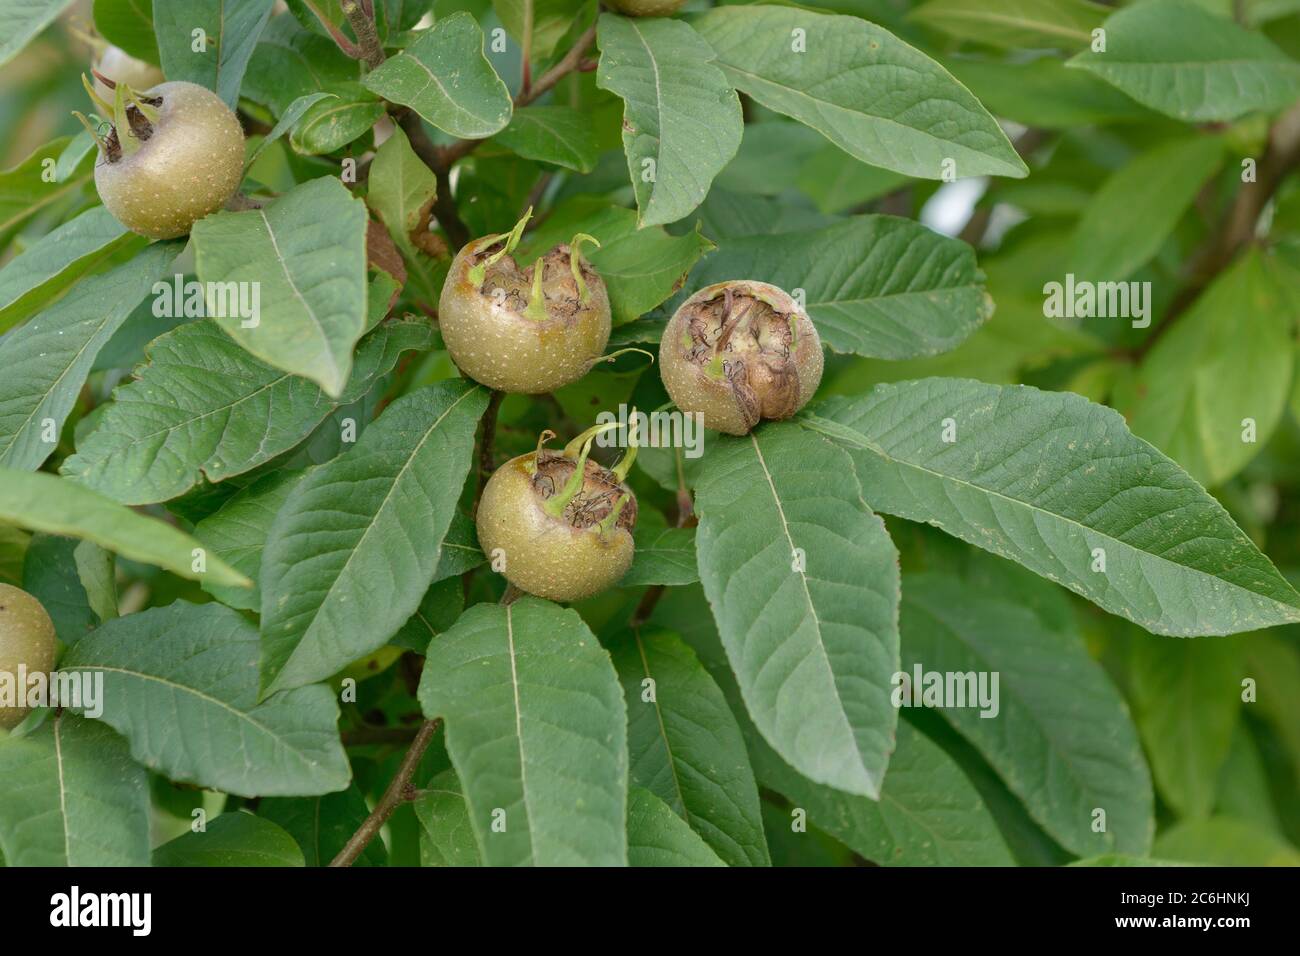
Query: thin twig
x=362, y=21
x=399, y=791
x=361, y=736
x=339, y=37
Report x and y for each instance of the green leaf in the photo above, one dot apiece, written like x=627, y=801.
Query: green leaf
x=1015, y=24
x=232, y=839
x=445, y=77
x=803, y=582
x=373, y=521
x=72, y=796
x=292, y=113
x=13, y=551
x=128, y=24
x=1060, y=736
x=928, y=813
x=22, y=20
x=402, y=189
x=1208, y=69
x=862, y=88
x=180, y=683
x=1223, y=841
x=536, y=729
x=50, y=575
x=873, y=285
x=47, y=360
x=1044, y=478
x=446, y=837
x=1186, y=701
x=685, y=747
x=42, y=502
x=25, y=191
x=663, y=556
x=236, y=532
x=346, y=115
x=322, y=826
x=204, y=408
x=44, y=270
x=230, y=31
x=656, y=836
x=1045, y=93
x=1119, y=859
x=641, y=267
x=1149, y=194
x=290, y=63
x=551, y=21
x=559, y=135
x=681, y=118
x=1177, y=399
x=307, y=254
x=441, y=605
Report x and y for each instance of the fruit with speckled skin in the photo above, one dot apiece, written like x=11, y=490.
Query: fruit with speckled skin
x=574, y=555
x=121, y=67
x=740, y=352
x=188, y=164
x=645, y=8
x=497, y=336
x=27, y=640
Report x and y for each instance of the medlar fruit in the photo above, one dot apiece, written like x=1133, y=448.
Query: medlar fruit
x=739, y=352
x=531, y=330
x=26, y=640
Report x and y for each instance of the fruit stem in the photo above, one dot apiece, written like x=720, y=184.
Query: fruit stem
x=616, y=353
x=575, y=263
x=537, y=300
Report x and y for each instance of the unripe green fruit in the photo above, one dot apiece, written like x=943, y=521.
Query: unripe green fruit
x=580, y=552
x=27, y=640
x=646, y=8
x=188, y=164
x=511, y=332
x=121, y=67
x=739, y=352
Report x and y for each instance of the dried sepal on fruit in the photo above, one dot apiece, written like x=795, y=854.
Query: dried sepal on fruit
x=27, y=645
x=740, y=352
x=170, y=156
x=526, y=330
x=562, y=522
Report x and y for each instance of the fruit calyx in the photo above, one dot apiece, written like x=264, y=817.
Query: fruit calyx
x=743, y=338
x=581, y=492
x=556, y=285
x=130, y=110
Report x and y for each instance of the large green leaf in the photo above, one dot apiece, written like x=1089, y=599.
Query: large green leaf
x=685, y=747
x=1060, y=737
x=663, y=556
x=867, y=91
x=446, y=837
x=1045, y=478
x=553, y=134
x=230, y=32
x=1224, y=841
x=873, y=285
x=1220, y=375
x=289, y=63
x=536, y=729
x=306, y=252
x=292, y=114
x=128, y=24
x=803, y=582
x=204, y=408
x=658, y=837
x=47, y=360
x=26, y=191
x=928, y=813
x=232, y=839
x=42, y=502
x=1015, y=24
x=22, y=20
x=401, y=187
x=370, y=524
x=1176, y=57
x=681, y=119
x=180, y=683
x=322, y=825
x=72, y=796
x=445, y=77
x=1145, y=199
x=50, y=574
x=1044, y=93
x=1186, y=701
x=44, y=270
x=551, y=21
x=332, y=123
